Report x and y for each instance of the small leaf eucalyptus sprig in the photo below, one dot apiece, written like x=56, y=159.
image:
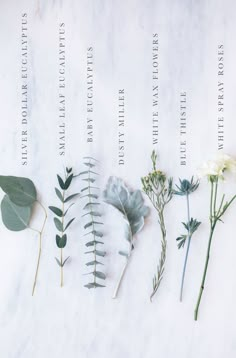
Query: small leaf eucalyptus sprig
x=59, y=220
x=214, y=170
x=185, y=188
x=93, y=215
x=159, y=189
x=131, y=205
x=17, y=208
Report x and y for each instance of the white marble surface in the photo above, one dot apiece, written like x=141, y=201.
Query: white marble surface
x=73, y=322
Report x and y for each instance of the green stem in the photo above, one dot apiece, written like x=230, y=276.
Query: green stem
x=40, y=247
x=187, y=251
x=213, y=221
x=62, y=277
x=160, y=268
x=204, y=273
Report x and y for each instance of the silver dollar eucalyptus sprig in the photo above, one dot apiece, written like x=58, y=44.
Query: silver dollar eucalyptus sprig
x=59, y=220
x=17, y=208
x=159, y=190
x=185, y=188
x=131, y=205
x=93, y=216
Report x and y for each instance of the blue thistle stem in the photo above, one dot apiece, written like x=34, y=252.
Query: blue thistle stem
x=187, y=251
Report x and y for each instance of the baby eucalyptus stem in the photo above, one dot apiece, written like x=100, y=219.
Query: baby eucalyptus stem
x=215, y=216
x=40, y=232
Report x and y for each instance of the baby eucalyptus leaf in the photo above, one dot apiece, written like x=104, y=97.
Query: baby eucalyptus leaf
x=91, y=223
x=21, y=191
x=90, y=205
x=15, y=217
x=94, y=242
x=61, y=241
x=99, y=274
x=89, y=180
x=94, y=262
x=94, y=196
x=58, y=224
x=56, y=211
x=92, y=213
x=123, y=253
x=97, y=252
x=93, y=285
x=90, y=165
x=95, y=233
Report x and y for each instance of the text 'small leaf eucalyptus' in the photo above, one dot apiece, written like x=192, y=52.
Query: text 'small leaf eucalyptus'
x=185, y=188
x=17, y=207
x=93, y=225
x=159, y=189
x=61, y=212
x=131, y=205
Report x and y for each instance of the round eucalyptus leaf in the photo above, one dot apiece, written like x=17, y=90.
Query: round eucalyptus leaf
x=21, y=191
x=15, y=217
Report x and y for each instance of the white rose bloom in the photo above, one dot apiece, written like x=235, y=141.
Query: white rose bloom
x=218, y=166
x=228, y=162
x=211, y=167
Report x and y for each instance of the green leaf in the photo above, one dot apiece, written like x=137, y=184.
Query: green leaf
x=68, y=209
x=21, y=191
x=68, y=224
x=90, y=206
x=68, y=181
x=95, y=233
x=70, y=197
x=91, y=223
x=93, y=285
x=94, y=196
x=56, y=211
x=99, y=275
x=68, y=170
x=58, y=262
x=92, y=213
x=15, y=217
x=94, y=242
x=59, y=194
x=97, y=252
x=123, y=253
x=61, y=182
x=61, y=241
x=65, y=261
x=58, y=224
x=91, y=263
x=90, y=165
x=89, y=180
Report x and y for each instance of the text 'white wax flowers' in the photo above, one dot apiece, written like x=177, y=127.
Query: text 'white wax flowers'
x=217, y=167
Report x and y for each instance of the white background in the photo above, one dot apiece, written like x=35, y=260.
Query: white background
x=72, y=321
